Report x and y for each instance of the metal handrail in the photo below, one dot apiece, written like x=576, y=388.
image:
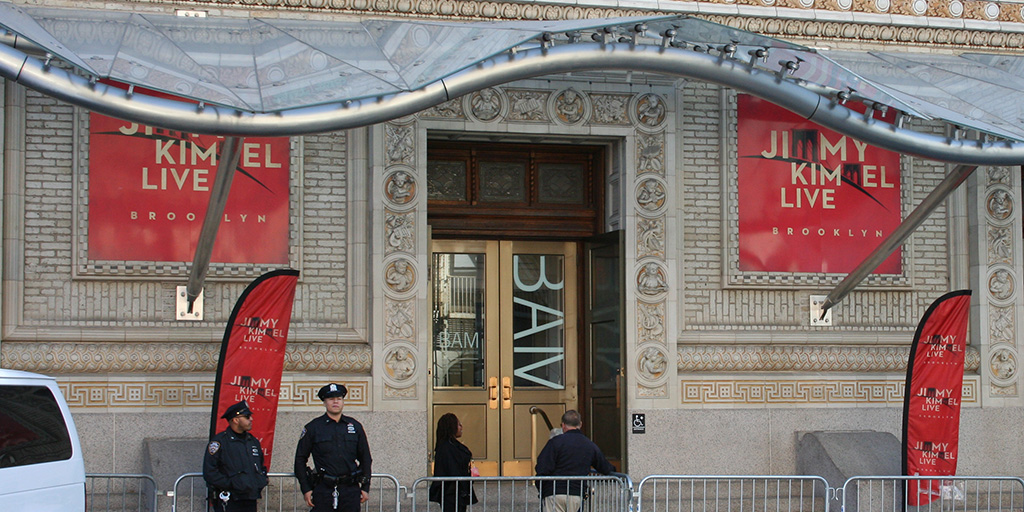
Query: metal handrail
x=151, y=500
x=391, y=478
x=534, y=412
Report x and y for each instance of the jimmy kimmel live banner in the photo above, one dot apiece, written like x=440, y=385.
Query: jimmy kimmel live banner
x=811, y=199
x=931, y=410
x=252, y=354
x=149, y=189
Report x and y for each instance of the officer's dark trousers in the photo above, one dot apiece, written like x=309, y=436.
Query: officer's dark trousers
x=234, y=506
x=348, y=498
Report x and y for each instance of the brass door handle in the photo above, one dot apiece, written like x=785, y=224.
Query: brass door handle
x=506, y=393
x=492, y=393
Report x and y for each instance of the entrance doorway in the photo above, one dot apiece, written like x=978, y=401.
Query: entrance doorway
x=526, y=300
x=504, y=319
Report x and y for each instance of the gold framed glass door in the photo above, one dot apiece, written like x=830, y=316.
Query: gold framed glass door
x=504, y=341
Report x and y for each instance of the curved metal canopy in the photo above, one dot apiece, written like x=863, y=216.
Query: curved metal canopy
x=286, y=77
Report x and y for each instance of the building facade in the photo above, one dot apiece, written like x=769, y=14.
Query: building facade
x=413, y=238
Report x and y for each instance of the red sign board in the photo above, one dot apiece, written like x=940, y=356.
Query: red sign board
x=931, y=411
x=149, y=189
x=811, y=199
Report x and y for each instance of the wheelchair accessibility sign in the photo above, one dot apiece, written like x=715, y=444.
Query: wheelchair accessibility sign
x=639, y=423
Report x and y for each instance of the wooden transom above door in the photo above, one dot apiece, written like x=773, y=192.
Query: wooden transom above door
x=525, y=191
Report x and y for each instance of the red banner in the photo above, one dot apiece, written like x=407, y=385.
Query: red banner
x=149, y=189
x=252, y=354
x=931, y=410
x=811, y=199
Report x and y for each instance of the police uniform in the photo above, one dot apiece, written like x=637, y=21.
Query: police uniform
x=233, y=467
x=341, y=458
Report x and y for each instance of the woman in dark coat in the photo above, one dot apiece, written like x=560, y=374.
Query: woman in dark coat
x=451, y=458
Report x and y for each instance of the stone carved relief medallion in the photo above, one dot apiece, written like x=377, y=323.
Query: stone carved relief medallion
x=1000, y=245
x=400, y=321
x=650, y=195
x=400, y=363
x=652, y=363
x=400, y=187
x=527, y=105
x=999, y=204
x=399, y=231
x=569, y=106
x=650, y=237
x=487, y=104
x=400, y=276
x=1001, y=284
x=651, y=279
x=650, y=153
x=650, y=111
x=400, y=143
x=650, y=322
x=1003, y=364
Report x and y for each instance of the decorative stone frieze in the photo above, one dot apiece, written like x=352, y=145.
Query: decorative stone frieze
x=528, y=105
x=996, y=11
x=650, y=151
x=795, y=358
x=400, y=323
x=650, y=320
x=87, y=358
x=87, y=395
x=808, y=392
x=400, y=144
x=650, y=237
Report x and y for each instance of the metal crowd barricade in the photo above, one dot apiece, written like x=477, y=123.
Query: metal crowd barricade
x=599, y=493
x=120, y=492
x=935, y=494
x=732, y=493
x=282, y=494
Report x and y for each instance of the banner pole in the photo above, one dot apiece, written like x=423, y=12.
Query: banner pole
x=898, y=236
x=229, y=156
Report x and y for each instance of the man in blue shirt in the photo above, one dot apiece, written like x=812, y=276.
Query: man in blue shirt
x=568, y=454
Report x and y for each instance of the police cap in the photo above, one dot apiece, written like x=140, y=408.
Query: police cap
x=236, y=410
x=332, y=390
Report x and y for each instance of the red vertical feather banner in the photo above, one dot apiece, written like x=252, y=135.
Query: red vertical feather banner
x=931, y=407
x=252, y=354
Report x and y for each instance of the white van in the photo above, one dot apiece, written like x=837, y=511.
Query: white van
x=41, y=465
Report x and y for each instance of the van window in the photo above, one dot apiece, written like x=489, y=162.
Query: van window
x=32, y=428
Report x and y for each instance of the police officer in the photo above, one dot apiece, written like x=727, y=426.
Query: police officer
x=341, y=457
x=233, y=465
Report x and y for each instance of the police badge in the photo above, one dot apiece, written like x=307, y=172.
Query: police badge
x=214, y=446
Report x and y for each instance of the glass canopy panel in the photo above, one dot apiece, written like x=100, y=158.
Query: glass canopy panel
x=924, y=97
x=199, y=58
x=37, y=25
x=819, y=68
x=693, y=30
x=972, y=91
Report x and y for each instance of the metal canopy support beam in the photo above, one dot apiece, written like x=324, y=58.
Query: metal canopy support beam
x=898, y=236
x=567, y=58
x=229, y=155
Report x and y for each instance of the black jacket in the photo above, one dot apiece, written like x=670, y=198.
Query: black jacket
x=339, y=449
x=569, y=454
x=234, y=463
x=452, y=458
